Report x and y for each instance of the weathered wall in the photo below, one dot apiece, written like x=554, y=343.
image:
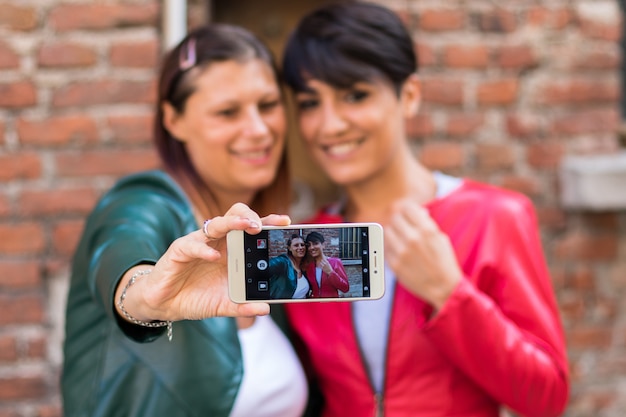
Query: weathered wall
x=509, y=89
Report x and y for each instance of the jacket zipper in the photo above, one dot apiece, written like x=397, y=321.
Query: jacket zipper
x=379, y=400
x=379, y=397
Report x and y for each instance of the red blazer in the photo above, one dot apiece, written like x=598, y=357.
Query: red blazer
x=498, y=340
x=336, y=280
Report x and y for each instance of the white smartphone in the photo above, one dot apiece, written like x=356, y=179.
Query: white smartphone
x=307, y=262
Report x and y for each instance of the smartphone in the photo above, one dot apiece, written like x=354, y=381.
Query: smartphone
x=307, y=263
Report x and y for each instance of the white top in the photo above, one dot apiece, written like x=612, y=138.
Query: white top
x=274, y=384
x=371, y=317
x=318, y=276
x=302, y=287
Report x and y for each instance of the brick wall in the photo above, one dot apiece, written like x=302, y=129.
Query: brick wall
x=509, y=88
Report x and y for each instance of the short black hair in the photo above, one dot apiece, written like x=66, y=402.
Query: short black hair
x=315, y=237
x=344, y=43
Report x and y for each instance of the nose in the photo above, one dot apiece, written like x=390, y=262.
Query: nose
x=255, y=124
x=332, y=123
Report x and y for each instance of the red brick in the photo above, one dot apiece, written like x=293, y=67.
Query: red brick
x=498, y=92
x=517, y=57
x=5, y=206
x=436, y=20
x=579, y=246
x=589, y=91
x=57, y=201
x=66, y=55
x=589, y=337
x=105, y=92
x=617, y=275
x=523, y=126
x=463, y=124
x=21, y=238
x=581, y=278
x=443, y=91
x=18, y=94
x=66, y=17
x=466, y=56
x=22, y=387
x=50, y=410
x=499, y=21
x=2, y=132
x=116, y=162
x=551, y=18
x=59, y=130
x=135, y=55
x=19, y=166
x=597, y=59
x=65, y=236
x=36, y=348
x=551, y=218
x=420, y=126
x=601, y=30
x=8, y=57
x=8, y=349
x=493, y=156
x=581, y=122
x=523, y=184
x=426, y=56
x=19, y=275
x=22, y=309
x=131, y=129
x=572, y=307
x=546, y=154
x=442, y=156
x=607, y=221
x=13, y=17
x=55, y=267
x=599, y=398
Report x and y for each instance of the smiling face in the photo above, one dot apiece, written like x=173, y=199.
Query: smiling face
x=233, y=127
x=316, y=249
x=355, y=133
x=297, y=248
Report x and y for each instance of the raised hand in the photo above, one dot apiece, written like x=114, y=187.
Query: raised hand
x=420, y=255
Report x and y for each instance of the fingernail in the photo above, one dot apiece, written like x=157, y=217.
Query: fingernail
x=254, y=224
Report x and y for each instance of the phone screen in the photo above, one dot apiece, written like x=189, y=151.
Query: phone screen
x=307, y=263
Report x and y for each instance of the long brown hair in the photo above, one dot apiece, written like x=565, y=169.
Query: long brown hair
x=201, y=47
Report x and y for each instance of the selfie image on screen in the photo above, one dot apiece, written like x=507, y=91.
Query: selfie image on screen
x=307, y=263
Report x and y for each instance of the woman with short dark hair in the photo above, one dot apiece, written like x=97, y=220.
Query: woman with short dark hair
x=326, y=274
x=468, y=324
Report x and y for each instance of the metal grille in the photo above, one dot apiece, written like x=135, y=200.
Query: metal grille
x=350, y=243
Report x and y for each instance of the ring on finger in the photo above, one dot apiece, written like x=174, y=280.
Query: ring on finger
x=205, y=227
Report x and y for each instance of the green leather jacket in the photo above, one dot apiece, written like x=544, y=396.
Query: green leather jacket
x=108, y=368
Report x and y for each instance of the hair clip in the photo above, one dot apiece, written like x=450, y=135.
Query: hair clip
x=187, y=58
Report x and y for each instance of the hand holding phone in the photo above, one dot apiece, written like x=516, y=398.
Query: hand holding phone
x=307, y=262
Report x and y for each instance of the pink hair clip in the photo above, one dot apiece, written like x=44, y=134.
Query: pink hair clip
x=187, y=57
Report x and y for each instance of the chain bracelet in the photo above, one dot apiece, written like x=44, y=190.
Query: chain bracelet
x=133, y=320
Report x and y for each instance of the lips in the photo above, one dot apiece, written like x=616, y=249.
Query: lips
x=343, y=148
x=254, y=155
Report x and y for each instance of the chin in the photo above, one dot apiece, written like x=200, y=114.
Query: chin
x=260, y=181
x=345, y=179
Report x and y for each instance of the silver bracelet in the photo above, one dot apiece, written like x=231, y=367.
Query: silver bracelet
x=133, y=320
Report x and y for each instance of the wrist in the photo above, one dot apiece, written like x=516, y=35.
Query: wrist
x=121, y=305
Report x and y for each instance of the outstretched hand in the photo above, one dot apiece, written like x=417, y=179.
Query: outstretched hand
x=190, y=281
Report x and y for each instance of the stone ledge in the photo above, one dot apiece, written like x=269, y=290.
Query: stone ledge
x=594, y=182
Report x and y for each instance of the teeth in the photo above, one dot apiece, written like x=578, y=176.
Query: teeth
x=253, y=155
x=342, y=148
